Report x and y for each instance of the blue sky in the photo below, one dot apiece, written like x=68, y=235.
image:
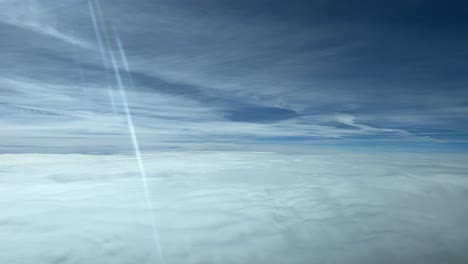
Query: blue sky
x=233, y=74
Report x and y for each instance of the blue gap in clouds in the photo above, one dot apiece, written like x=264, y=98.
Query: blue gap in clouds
x=259, y=114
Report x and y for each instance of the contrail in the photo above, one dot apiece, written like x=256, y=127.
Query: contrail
x=124, y=57
x=136, y=148
x=128, y=115
x=102, y=50
x=98, y=33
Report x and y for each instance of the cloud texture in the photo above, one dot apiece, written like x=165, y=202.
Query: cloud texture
x=234, y=207
x=228, y=74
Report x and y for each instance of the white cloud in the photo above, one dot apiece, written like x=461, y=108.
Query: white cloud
x=234, y=207
x=39, y=115
x=211, y=71
x=31, y=15
x=350, y=121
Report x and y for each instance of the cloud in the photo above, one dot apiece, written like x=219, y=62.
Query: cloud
x=204, y=74
x=32, y=15
x=261, y=207
x=63, y=118
x=252, y=117
x=350, y=121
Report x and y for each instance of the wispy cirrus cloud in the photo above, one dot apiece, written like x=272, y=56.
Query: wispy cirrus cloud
x=38, y=17
x=212, y=74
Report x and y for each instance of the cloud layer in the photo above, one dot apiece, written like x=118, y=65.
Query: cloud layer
x=243, y=208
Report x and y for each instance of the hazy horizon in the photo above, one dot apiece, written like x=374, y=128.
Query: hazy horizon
x=243, y=131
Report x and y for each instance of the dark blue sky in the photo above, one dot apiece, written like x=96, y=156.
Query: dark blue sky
x=211, y=74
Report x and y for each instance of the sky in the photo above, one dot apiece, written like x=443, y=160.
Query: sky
x=232, y=75
x=242, y=131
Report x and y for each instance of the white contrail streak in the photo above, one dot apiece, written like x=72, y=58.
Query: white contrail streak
x=98, y=33
x=136, y=147
x=128, y=115
x=123, y=56
x=102, y=50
